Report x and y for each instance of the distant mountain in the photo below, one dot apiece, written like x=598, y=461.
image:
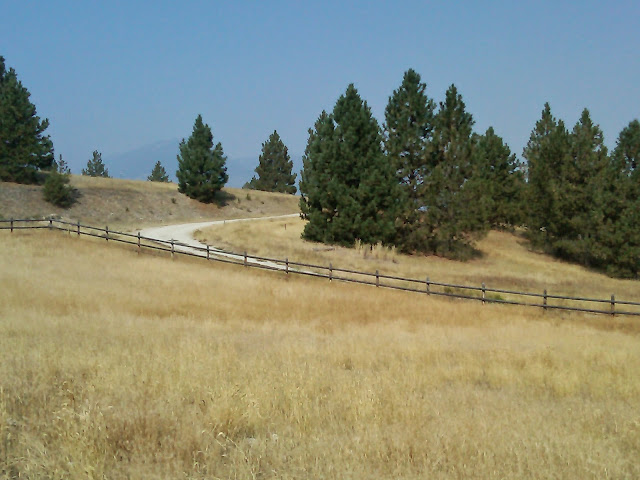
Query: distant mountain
x=137, y=164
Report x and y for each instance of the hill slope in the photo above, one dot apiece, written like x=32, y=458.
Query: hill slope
x=134, y=204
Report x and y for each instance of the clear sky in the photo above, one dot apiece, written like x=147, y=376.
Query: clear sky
x=114, y=76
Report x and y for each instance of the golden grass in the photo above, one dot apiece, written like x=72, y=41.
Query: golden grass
x=506, y=261
x=117, y=365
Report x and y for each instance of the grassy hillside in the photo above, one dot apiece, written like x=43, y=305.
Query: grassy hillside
x=506, y=261
x=117, y=365
x=132, y=204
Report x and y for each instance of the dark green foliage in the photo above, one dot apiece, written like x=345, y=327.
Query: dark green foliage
x=502, y=180
x=621, y=231
x=274, y=168
x=23, y=148
x=409, y=118
x=158, y=174
x=61, y=166
x=315, y=203
x=546, y=152
x=348, y=187
x=582, y=204
x=454, y=206
x=201, y=166
x=57, y=190
x=95, y=166
x=627, y=151
x=581, y=184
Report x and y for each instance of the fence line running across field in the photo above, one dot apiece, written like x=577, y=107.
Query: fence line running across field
x=428, y=287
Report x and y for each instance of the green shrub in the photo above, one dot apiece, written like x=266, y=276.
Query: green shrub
x=57, y=190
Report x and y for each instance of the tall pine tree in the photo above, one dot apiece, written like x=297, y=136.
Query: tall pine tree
x=348, y=187
x=316, y=205
x=201, y=166
x=455, y=211
x=274, y=168
x=24, y=149
x=582, y=181
x=622, y=232
x=502, y=179
x=546, y=152
x=409, y=118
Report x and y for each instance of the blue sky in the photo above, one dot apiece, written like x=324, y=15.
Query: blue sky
x=115, y=76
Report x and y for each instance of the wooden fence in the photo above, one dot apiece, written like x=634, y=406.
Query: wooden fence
x=482, y=293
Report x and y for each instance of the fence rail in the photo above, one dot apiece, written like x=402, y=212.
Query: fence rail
x=428, y=287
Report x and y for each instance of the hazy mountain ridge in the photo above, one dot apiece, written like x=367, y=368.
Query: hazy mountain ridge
x=137, y=164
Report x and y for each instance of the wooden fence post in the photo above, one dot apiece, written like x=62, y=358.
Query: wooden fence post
x=78, y=227
x=545, y=300
x=287, y=262
x=106, y=229
x=12, y=225
x=207, y=251
x=613, y=305
x=138, y=243
x=330, y=272
x=50, y=223
x=377, y=278
x=428, y=286
x=245, y=258
x=484, y=293
x=173, y=250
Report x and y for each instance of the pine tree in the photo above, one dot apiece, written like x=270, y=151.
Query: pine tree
x=623, y=216
x=24, y=149
x=546, y=152
x=274, y=168
x=452, y=198
x=201, y=166
x=95, y=166
x=502, y=178
x=627, y=151
x=61, y=166
x=315, y=204
x=158, y=174
x=581, y=185
x=409, y=119
x=348, y=187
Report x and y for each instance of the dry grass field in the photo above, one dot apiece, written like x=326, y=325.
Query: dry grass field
x=134, y=204
x=506, y=261
x=117, y=365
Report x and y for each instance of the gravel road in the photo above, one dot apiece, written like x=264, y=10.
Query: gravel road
x=182, y=235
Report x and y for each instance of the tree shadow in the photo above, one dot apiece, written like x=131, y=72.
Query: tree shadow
x=223, y=198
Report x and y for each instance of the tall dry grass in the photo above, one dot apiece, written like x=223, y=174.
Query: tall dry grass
x=117, y=365
x=506, y=261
